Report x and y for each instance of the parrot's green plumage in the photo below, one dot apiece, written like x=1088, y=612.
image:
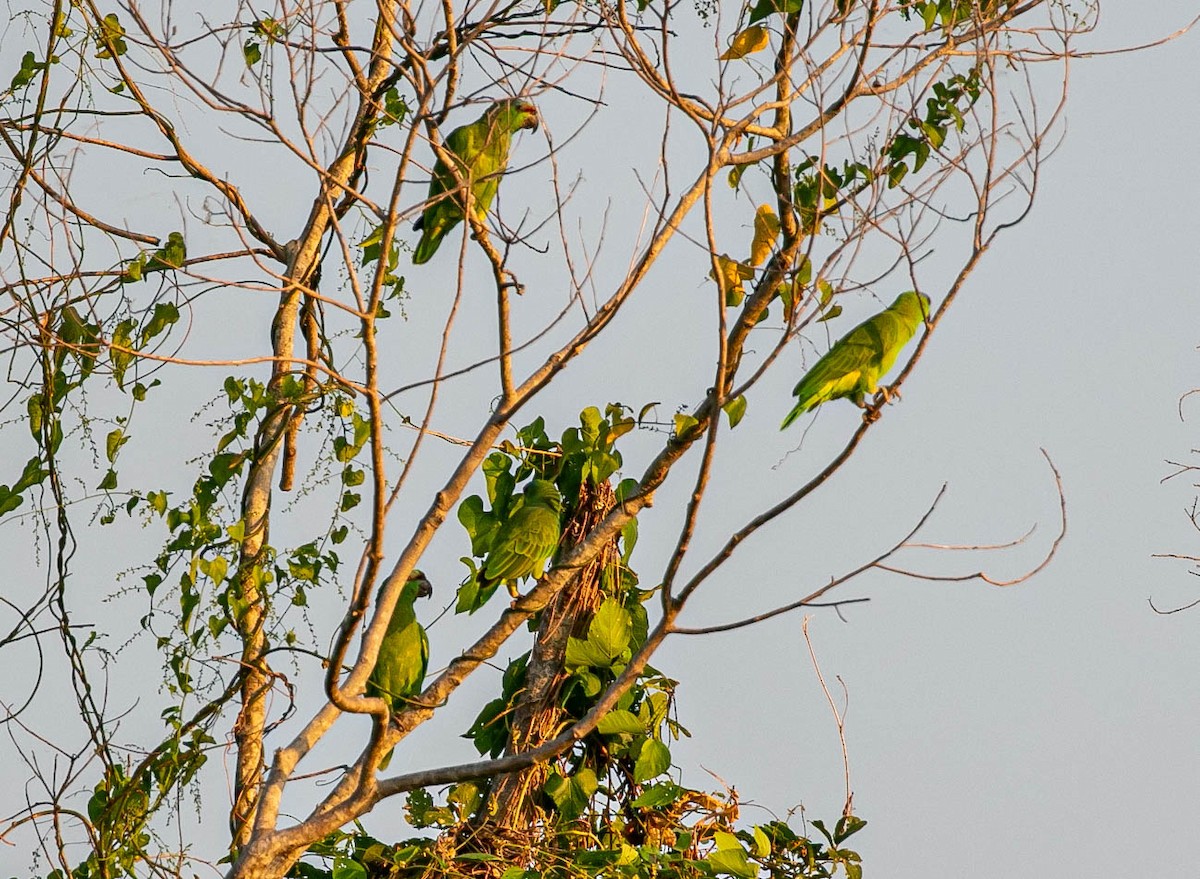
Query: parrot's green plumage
x=482, y=152
x=528, y=538
x=854, y=365
x=399, y=671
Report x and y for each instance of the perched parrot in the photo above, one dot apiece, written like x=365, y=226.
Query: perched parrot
x=482, y=151
x=399, y=671
x=528, y=538
x=854, y=365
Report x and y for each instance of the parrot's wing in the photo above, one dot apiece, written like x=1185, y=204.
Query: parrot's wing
x=890, y=331
x=524, y=543
x=844, y=371
x=444, y=210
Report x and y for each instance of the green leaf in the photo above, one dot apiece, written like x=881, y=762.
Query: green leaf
x=684, y=423
x=480, y=526
x=763, y=8
x=662, y=794
x=24, y=76
x=653, y=760
x=735, y=410
x=929, y=14
x=804, y=271
x=831, y=314
x=846, y=827
x=171, y=255
x=581, y=653
x=489, y=732
x=627, y=488
x=724, y=841
x=344, y=868
x=225, y=466
x=610, y=629
x=732, y=861
x=762, y=843
x=573, y=794
x=132, y=273
x=34, y=408
x=218, y=567
x=140, y=390
x=109, y=482
x=820, y=825
x=465, y=798
x=8, y=500
x=113, y=442
x=109, y=42
x=165, y=313
x=629, y=539
x=33, y=474
x=620, y=722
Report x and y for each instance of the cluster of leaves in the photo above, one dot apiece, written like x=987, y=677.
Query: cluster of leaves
x=107, y=37
x=171, y=255
x=122, y=802
x=610, y=806
x=696, y=837
x=200, y=558
x=263, y=32
x=943, y=111
x=204, y=544
x=731, y=276
x=73, y=347
x=821, y=188
x=948, y=14
x=586, y=453
x=630, y=747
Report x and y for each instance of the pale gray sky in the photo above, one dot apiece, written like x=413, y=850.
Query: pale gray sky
x=1049, y=726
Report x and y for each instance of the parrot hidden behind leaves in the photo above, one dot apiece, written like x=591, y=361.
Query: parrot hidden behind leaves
x=481, y=149
x=853, y=366
x=399, y=671
x=528, y=538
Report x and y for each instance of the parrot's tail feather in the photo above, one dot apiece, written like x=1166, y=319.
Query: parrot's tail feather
x=800, y=409
x=426, y=247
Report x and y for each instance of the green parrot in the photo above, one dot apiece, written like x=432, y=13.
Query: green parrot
x=853, y=366
x=399, y=672
x=482, y=151
x=528, y=538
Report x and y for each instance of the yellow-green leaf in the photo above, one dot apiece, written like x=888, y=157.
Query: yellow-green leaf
x=731, y=275
x=735, y=409
x=766, y=230
x=684, y=423
x=762, y=844
x=750, y=40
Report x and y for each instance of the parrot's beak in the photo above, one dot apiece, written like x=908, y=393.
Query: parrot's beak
x=424, y=587
x=531, y=120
